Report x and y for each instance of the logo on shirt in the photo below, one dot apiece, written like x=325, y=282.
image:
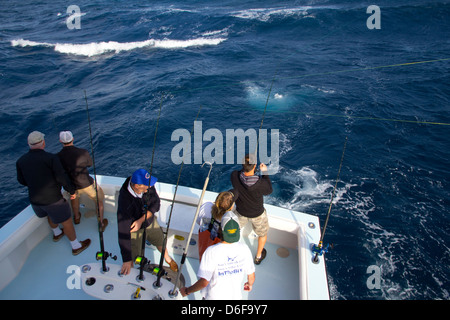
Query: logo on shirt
x=229, y=272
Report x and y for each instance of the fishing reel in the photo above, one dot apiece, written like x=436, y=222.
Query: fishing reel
x=104, y=255
x=320, y=249
x=141, y=261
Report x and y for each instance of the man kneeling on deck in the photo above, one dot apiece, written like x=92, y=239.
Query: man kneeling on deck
x=224, y=265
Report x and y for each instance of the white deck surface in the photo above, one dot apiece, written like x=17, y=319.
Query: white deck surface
x=48, y=271
x=48, y=268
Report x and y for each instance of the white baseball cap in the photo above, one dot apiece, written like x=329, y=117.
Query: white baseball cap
x=65, y=136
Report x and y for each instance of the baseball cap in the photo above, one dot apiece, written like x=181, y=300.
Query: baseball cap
x=35, y=137
x=230, y=227
x=65, y=136
x=141, y=176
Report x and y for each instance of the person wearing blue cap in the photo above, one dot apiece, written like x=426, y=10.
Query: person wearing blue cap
x=138, y=199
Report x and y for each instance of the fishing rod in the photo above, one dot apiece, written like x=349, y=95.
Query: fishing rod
x=141, y=260
x=319, y=250
x=173, y=293
x=264, y=114
x=160, y=270
x=102, y=254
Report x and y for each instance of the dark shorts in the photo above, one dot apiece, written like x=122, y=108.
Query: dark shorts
x=58, y=211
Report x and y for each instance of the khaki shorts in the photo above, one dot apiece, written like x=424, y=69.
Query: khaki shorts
x=90, y=192
x=153, y=234
x=260, y=224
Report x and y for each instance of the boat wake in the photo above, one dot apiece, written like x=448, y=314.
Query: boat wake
x=308, y=190
x=99, y=48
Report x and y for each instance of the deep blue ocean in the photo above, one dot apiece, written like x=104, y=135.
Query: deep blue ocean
x=329, y=76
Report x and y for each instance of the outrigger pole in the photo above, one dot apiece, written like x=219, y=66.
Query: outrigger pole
x=141, y=260
x=319, y=249
x=160, y=271
x=102, y=254
x=173, y=293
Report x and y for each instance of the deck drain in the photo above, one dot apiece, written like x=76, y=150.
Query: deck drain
x=108, y=288
x=282, y=252
x=85, y=268
x=90, y=281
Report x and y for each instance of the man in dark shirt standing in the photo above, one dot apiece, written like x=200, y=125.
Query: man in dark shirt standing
x=250, y=203
x=76, y=161
x=44, y=176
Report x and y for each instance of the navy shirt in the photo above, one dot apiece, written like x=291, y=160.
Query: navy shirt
x=130, y=209
x=76, y=161
x=44, y=175
x=250, y=202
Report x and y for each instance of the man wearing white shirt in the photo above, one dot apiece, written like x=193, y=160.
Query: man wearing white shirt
x=225, y=266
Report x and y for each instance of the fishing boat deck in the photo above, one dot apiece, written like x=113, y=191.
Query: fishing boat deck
x=48, y=270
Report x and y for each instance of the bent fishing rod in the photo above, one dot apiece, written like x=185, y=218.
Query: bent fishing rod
x=102, y=254
x=141, y=260
x=319, y=250
x=174, y=292
x=160, y=270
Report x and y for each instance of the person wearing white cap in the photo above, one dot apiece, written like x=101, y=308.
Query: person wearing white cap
x=76, y=162
x=225, y=266
x=44, y=176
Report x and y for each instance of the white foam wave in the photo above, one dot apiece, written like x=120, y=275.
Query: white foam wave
x=222, y=32
x=264, y=14
x=310, y=190
x=257, y=97
x=98, y=48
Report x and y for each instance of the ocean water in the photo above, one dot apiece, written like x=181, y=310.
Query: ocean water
x=324, y=75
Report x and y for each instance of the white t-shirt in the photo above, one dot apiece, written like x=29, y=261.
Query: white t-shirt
x=204, y=219
x=204, y=215
x=226, y=266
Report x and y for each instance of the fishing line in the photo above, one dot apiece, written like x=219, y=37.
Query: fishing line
x=319, y=250
x=102, y=254
x=318, y=74
x=345, y=116
x=163, y=251
x=142, y=260
x=264, y=113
